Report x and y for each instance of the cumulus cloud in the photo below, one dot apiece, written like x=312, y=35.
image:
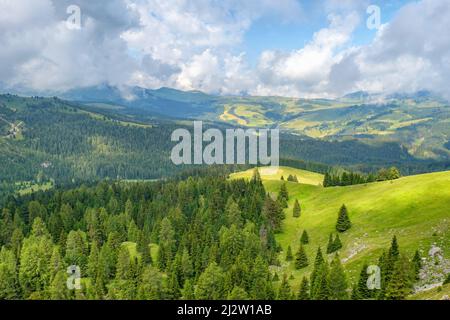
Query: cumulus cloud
x=194, y=45
x=306, y=71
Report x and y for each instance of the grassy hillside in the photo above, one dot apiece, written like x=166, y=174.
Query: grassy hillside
x=303, y=176
x=415, y=208
x=433, y=294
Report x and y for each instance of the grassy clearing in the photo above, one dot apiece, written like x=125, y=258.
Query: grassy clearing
x=29, y=187
x=303, y=176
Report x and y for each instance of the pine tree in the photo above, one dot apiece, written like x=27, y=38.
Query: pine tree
x=123, y=266
x=289, y=256
x=301, y=259
x=330, y=248
x=338, y=281
x=93, y=261
x=303, y=293
x=304, y=238
x=283, y=196
x=322, y=291
x=343, y=222
x=151, y=285
x=401, y=282
x=188, y=290
x=394, y=251
x=337, y=244
x=296, y=210
x=315, y=275
x=9, y=284
x=284, y=292
x=210, y=284
x=361, y=291
x=327, y=180
x=238, y=293
x=58, y=287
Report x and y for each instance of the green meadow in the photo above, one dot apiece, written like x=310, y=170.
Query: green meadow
x=415, y=208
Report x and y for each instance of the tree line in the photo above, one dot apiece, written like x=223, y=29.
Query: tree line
x=352, y=178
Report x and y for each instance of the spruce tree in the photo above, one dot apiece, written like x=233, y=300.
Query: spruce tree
x=303, y=293
x=330, y=248
x=297, y=209
x=417, y=262
x=289, y=256
x=401, y=282
x=361, y=291
x=283, y=196
x=343, y=222
x=284, y=292
x=322, y=290
x=304, y=238
x=337, y=244
x=338, y=281
x=315, y=275
x=301, y=259
x=394, y=251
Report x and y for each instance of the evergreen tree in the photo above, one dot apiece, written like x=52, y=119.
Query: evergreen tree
x=233, y=213
x=210, y=284
x=283, y=196
x=273, y=213
x=327, y=180
x=296, y=210
x=401, y=283
x=58, y=288
x=337, y=244
x=9, y=284
x=284, y=292
x=343, y=222
x=304, y=238
x=188, y=290
x=301, y=260
x=166, y=244
x=238, y=293
x=338, y=281
x=303, y=293
x=330, y=248
x=361, y=291
x=289, y=255
x=123, y=266
x=394, y=251
x=316, y=273
x=151, y=285
x=92, y=266
x=322, y=290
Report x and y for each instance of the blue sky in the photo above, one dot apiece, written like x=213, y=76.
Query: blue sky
x=277, y=34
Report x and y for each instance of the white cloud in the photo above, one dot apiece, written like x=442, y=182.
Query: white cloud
x=306, y=71
x=194, y=45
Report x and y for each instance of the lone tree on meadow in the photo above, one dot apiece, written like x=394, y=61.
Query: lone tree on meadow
x=343, y=222
x=297, y=209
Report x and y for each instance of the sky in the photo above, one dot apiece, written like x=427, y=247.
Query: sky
x=296, y=48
